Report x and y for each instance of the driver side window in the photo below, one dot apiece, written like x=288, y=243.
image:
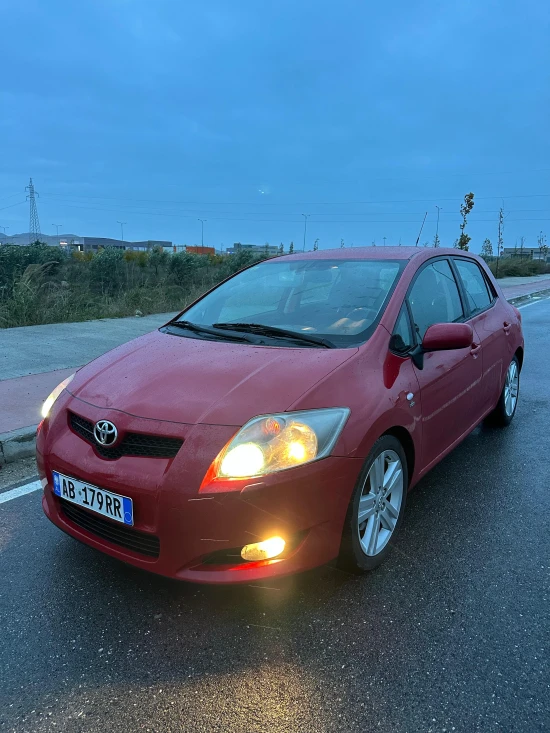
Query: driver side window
x=434, y=297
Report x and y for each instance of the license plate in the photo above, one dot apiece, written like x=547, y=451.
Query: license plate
x=113, y=506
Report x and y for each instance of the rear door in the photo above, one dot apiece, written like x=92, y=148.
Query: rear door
x=487, y=316
x=450, y=381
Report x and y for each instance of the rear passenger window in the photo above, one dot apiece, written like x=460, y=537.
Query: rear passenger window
x=475, y=285
x=434, y=297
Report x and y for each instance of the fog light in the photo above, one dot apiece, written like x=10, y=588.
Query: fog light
x=263, y=550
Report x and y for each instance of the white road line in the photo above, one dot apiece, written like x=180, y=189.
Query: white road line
x=20, y=491
x=540, y=300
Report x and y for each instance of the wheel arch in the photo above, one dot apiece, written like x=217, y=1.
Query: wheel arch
x=519, y=355
x=406, y=440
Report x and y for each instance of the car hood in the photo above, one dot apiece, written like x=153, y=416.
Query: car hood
x=186, y=380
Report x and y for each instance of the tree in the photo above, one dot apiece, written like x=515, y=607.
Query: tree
x=437, y=241
x=543, y=247
x=316, y=245
x=291, y=248
x=465, y=209
x=487, y=249
x=341, y=243
x=281, y=248
x=158, y=258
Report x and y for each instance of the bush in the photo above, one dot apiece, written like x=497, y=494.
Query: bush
x=43, y=284
x=15, y=259
x=106, y=269
x=515, y=267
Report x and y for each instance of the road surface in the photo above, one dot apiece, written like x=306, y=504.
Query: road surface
x=451, y=634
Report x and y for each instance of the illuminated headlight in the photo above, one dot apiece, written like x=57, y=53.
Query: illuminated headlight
x=276, y=442
x=48, y=404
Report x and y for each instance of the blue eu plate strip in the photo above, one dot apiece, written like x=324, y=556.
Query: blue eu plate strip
x=56, y=483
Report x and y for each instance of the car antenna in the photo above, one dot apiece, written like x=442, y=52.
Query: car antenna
x=421, y=228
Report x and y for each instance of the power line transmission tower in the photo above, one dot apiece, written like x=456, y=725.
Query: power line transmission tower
x=34, y=224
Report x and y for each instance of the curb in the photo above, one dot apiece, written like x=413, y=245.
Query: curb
x=17, y=444
x=529, y=296
x=20, y=443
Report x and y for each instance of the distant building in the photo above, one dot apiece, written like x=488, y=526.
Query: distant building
x=526, y=253
x=265, y=249
x=93, y=244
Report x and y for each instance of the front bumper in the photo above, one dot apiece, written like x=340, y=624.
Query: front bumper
x=305, y=505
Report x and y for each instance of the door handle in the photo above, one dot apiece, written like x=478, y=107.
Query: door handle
x=507, y=326
x=474, y=351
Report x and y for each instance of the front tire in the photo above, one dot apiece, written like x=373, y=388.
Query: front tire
x=505, y=410
x=376, y=508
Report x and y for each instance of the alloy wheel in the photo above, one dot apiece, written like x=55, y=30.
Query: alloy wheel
x=380, y=502
x=511, y=388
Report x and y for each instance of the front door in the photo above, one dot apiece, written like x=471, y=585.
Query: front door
x=450, y=381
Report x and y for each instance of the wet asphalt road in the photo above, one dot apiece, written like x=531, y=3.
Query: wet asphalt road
x=451, y=634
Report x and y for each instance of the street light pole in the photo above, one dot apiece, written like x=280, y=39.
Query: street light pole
x=437, y=225
x=122, y=223
x=57, y=230
x=202, y=230
x=305, y=229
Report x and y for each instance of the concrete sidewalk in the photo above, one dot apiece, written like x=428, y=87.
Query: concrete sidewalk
x=34, y=359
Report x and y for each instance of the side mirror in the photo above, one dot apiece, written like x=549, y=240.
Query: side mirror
x=447, y=336
x=443, y=337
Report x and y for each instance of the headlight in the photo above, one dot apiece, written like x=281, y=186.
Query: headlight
x=275, y=442
x=47, y=406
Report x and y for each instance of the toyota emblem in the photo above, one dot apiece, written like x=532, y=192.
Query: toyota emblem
x=105, y=432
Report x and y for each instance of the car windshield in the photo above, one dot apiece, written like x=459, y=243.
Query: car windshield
x=337, y=299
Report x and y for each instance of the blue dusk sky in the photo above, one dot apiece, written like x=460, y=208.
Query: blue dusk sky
x=249, y=114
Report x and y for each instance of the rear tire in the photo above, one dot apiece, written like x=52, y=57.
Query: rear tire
x=376, y=508
x=504, y=412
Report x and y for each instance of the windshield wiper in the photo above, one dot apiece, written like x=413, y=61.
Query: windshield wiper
x=211, y=331
x=262, y=330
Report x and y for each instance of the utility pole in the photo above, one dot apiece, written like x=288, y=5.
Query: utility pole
x=202, y=230
x=122, y=223
x=436, y=238
x=57, y=230
x=437, y=224
x=384, y=238
x=34, y=224
x=305, y=230
x=4, y=228
x=500, y=241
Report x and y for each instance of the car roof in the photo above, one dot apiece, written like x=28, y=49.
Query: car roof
x=377, y=253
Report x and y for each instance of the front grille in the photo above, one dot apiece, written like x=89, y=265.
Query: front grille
x=118, y=534
x=132, y=444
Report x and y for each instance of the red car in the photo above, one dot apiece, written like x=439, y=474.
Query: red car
x=279, y=421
